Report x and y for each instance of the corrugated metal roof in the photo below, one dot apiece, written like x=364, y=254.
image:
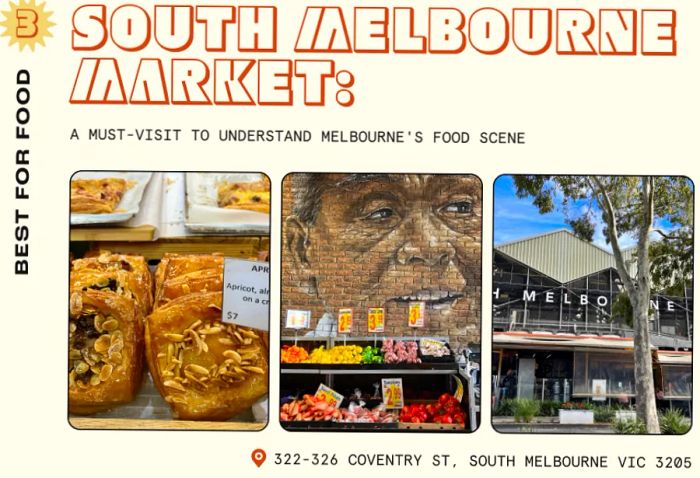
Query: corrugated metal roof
x=562, y=256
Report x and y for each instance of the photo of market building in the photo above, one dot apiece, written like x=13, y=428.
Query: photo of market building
x=557, y=336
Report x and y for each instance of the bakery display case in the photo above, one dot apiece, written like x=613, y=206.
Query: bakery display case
x=147, y=345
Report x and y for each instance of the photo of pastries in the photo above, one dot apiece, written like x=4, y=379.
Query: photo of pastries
x=147, y=345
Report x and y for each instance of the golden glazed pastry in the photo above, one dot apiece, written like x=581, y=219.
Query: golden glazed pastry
x=250, y=196
x=179, y=275
x=205, y=369
x=96, y=196
x=118, y=281
x=105, y=351
x=140, y=283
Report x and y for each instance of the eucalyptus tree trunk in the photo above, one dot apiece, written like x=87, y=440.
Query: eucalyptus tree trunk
x=639, y=292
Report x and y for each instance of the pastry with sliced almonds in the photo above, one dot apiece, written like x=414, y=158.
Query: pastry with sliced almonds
x=105, y=351
x=205, y=369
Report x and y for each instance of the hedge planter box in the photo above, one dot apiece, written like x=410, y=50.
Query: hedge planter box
x=575, y=417
x=624, y=415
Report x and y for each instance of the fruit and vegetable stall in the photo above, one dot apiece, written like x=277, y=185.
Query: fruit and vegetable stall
x=374, y=383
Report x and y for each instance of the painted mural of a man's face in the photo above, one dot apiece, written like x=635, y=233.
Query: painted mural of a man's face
x=384, y=240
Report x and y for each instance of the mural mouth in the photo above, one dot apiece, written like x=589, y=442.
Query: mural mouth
x=435, y=298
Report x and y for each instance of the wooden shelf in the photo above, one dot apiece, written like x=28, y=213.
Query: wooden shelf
x=139, y=233
x=243, y=247
x=87, y=423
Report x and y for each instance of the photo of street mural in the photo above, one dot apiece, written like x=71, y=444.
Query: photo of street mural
x=381, y=283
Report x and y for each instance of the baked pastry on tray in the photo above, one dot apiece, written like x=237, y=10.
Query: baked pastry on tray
x=105, y=351
x=253, y=196
x=141, y=285
x=179, y=275
x=96, y=196
x=205, y=369
x=118, y=281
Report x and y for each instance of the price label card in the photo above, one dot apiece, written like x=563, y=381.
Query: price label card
x=392, y=392
x=329, y=395
x=344, y=321
x=416, y=314
x=298, y=319
x=246, y=293
x=375, y=319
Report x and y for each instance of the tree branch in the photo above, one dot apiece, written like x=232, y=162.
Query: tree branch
x=665, y=235
x=605, y=201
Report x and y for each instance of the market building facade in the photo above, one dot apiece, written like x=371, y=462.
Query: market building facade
x=558, y=334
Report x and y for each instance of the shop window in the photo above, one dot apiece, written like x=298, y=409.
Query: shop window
x=616, y=369
x=676, y=380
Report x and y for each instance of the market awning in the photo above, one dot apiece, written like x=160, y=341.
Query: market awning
x=666, y=357
x=564, y=341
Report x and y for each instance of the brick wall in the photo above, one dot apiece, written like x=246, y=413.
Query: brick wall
x=358, y=262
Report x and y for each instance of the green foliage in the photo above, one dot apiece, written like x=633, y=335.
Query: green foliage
x=576, y=406
x=525, y=409
x=603, y=414
x=671, y=262
x=549, y=408
x=583, y=228
x=504, y=408
x=622, y=307
x=673, y=422
x=629, y=427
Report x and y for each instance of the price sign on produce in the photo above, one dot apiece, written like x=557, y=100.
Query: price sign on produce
x=298, y=319
x=329, y=395
x=375, y=319
x=344, y=321
x=416, y=314
x=392, y=392
x=246, y=293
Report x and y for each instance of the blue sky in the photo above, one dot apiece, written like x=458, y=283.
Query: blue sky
x=517, y=218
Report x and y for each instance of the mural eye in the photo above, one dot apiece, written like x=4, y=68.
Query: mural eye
x=459, y=207
x=383, y=213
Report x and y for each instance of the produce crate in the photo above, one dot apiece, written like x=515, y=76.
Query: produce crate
x=337, y=426
x=450, y=358
x=432, y=427
x=446, y=365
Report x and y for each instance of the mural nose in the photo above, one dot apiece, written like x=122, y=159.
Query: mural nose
x=425, y=244
x=428, y=255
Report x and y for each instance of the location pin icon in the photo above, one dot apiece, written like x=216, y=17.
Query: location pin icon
x=258, y=456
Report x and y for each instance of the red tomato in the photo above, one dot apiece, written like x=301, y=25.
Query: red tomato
x=415, y=420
